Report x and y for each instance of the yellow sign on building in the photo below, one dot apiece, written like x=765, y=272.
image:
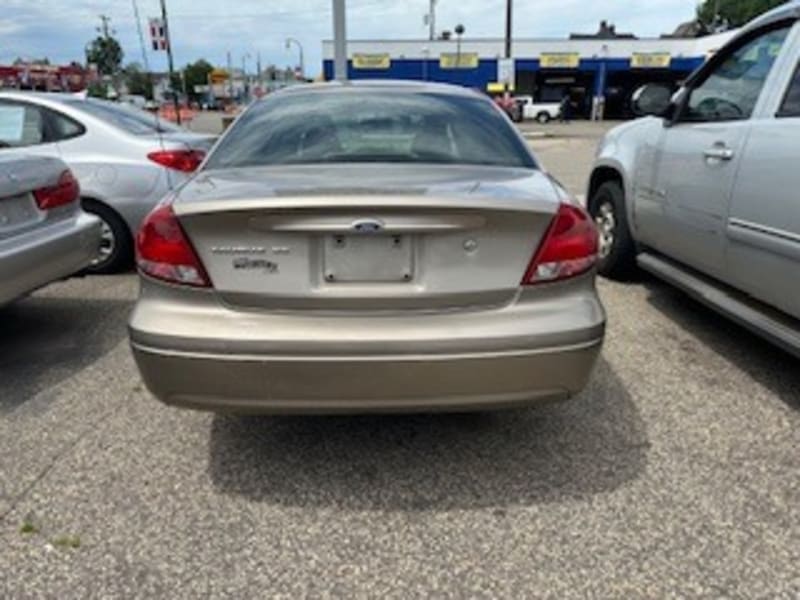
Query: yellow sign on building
x=650, y=60
x=454, y=60
x=498, y=88
x=218, y=76
x=559, y=60
x=380, y=62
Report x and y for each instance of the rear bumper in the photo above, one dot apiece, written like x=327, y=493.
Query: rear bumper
x=33, y=260
x=281, y=384
x=203, y=355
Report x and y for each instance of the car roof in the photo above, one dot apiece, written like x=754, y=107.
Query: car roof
x=54, y=96
x=383, y=85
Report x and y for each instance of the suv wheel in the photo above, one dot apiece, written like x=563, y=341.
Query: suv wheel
x=617, y=250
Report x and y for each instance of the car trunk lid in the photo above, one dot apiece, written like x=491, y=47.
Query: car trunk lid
x=20, y=176
x=367, y=237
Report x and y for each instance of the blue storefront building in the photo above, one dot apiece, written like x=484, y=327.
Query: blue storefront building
x=589, y=70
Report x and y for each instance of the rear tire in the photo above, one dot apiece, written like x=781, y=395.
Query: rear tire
x=116, y=245
x=617, y=251
x=543, y=118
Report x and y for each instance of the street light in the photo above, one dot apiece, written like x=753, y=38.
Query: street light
x=289, y=42
x=245, y=91
x=459, y=30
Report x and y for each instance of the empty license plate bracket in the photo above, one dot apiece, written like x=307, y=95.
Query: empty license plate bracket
x=367, y=258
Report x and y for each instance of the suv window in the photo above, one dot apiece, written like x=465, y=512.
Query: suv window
x=791, y=102
x=730, y=91
x=20, y=125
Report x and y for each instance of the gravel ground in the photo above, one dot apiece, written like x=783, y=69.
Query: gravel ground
x=675, y=474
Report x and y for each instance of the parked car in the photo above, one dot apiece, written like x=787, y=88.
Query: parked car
x=44, y=234
x=705, y=194
x=376, y=246
x=125, y=159
x=543, y=112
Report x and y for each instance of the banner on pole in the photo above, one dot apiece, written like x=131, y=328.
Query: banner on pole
x=158, y=35
x=506, y=72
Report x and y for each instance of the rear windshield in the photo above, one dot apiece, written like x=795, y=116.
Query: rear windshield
x=362, y=127
x=129, y=118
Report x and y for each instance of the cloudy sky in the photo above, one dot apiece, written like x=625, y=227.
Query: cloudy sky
x=59, y=29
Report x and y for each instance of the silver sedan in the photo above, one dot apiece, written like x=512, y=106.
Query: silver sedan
x=44, y=234
x=125, y=159
x=367, y=247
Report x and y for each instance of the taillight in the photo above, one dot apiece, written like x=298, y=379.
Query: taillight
x=180, y=160
x=569, y=247
x=163, y=251
x=64, y=192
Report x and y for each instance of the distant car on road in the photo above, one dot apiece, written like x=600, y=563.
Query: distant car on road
x=706, y=194
x=543, y=112
x=374, y=246
x=44, y=234
x=125, y=159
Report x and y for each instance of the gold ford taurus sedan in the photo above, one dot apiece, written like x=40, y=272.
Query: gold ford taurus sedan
x=367, y=247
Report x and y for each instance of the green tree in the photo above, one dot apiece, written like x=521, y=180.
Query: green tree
x=97, y=89
x=137, y=81
x=194, y=74
x=33, y=61
x=736, y=12
x=106, y=53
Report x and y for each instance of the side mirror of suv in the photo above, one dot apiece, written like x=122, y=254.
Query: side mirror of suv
x=652, y=99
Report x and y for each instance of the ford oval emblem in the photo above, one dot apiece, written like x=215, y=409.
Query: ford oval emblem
x=367, y=226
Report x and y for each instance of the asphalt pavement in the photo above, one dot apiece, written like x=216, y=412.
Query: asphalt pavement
x=675, y=474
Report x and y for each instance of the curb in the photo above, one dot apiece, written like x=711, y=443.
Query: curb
x=536, y=135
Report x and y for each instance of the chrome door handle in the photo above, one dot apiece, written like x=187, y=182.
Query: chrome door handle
x=719, y=153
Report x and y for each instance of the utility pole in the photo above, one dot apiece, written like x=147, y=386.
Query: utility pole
x=145, y=62
x=230, y=75
x=170, y=62
x=105, y=31
x=432, y=20
x=104, y=28
x=246, y=88
x=507, y=94
x=339, y=41
x=508, y=29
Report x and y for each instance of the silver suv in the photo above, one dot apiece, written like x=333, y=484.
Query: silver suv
x=705, y=192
